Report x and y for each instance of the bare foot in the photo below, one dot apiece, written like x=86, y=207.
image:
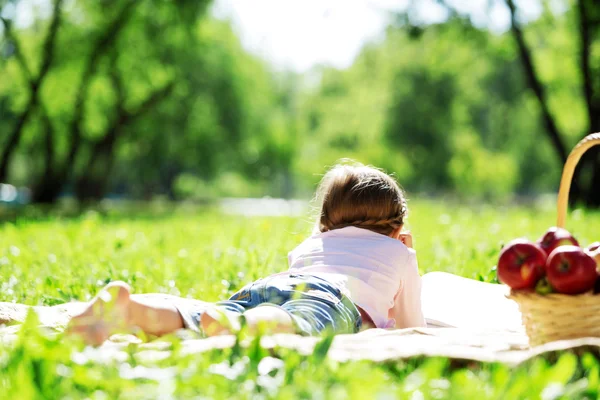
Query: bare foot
x=107, y=313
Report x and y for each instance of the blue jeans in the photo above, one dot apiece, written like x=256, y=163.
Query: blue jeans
x=315, y=306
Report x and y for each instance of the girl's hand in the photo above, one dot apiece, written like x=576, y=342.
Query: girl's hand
x=406, y=238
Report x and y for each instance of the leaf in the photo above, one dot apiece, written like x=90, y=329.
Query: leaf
x=322, y=348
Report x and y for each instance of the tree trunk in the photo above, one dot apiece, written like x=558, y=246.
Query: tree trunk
x=594, y=189
x=34, y=83
x=92, y=185
x=47, y=190
x=593, y=195
x=591, y=162
x=589, y=25
x=91, y=189
x=13, y=141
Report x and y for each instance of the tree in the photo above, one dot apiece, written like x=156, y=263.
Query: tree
x=431, y=105
x=588, y=24
x=60, y=165
x=136, y=94
x=34, y=83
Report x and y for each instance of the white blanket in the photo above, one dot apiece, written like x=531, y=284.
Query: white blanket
x=453, y=301
x=477, y=322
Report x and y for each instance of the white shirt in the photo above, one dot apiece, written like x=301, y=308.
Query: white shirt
x=379, y=273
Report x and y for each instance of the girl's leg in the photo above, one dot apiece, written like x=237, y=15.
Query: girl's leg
x=269, y=319
x=115, y=309
x=153, y=313
x=263, y=319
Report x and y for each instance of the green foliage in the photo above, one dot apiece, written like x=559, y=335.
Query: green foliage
x=478, y=172
x=448, y=110
x=444, y=106
x=220, y=112
x=205, y=254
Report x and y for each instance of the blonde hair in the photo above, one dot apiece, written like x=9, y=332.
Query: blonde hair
x=361, y=196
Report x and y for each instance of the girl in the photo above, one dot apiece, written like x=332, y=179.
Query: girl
x=357, y=270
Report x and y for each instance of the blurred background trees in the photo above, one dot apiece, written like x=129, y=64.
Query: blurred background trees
x=137, y=98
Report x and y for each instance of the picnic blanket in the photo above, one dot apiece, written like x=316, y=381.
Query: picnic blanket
x=468, y=320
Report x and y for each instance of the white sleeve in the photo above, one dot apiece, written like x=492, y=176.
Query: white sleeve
x=407, y=309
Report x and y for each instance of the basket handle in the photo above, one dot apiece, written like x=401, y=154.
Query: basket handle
x=567, y=175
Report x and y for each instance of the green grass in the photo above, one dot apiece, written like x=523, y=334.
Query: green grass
x=46, y=260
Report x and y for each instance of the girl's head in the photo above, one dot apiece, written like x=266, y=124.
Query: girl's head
x=360, y=196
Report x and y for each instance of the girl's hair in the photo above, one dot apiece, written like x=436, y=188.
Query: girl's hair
x=361, y=196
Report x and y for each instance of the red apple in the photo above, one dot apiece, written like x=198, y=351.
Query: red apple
x=555, y=237
x=521, y=264
x=571, y=270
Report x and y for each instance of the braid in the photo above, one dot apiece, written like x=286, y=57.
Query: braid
x=393, y=222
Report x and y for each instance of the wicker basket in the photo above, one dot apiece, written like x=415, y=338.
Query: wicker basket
x=560, y=316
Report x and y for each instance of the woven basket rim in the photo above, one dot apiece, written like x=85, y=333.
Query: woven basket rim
x=516, y=294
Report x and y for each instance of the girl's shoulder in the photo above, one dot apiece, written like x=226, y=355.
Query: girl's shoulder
x=356, y=241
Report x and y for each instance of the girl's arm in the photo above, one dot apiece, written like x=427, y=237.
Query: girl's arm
x=407, y=309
